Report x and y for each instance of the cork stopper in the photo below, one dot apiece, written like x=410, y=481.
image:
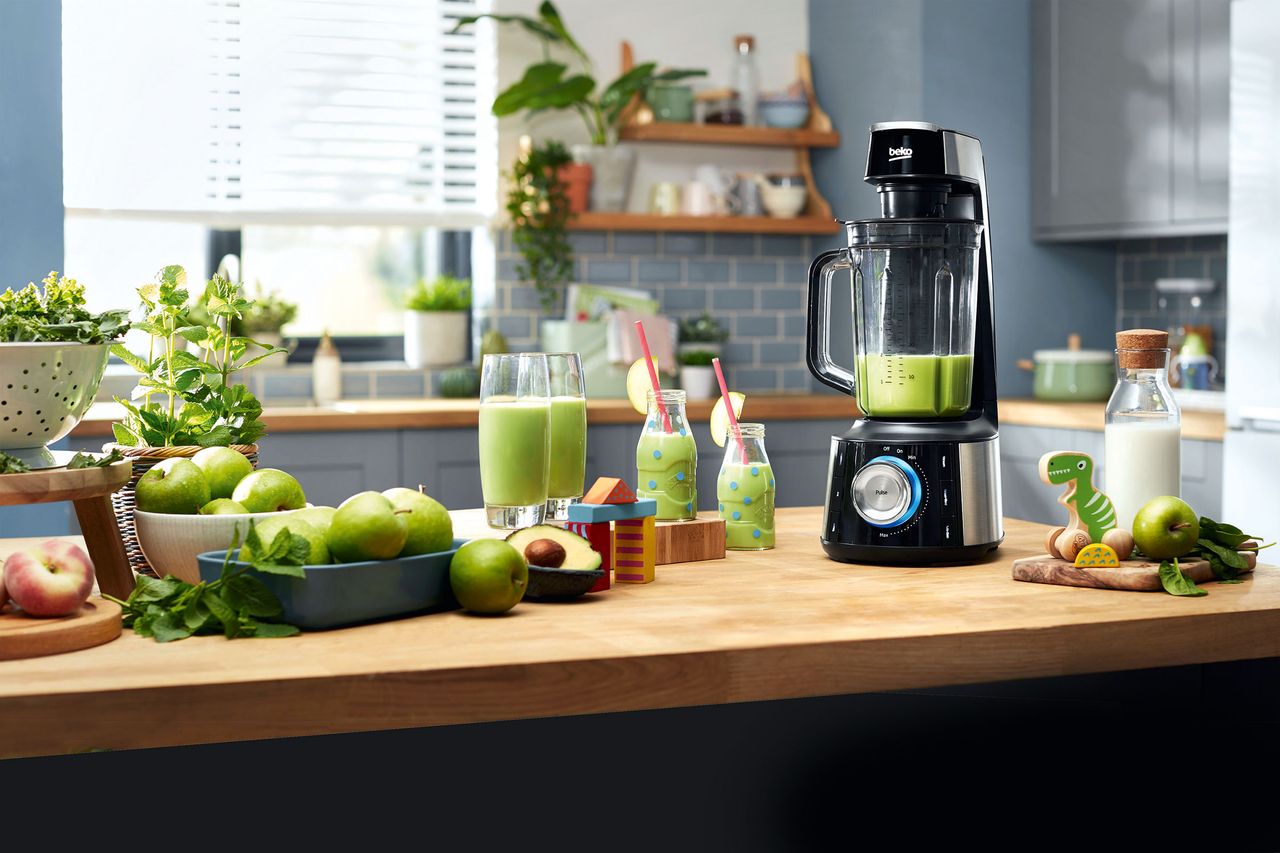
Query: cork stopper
x=1142, y=348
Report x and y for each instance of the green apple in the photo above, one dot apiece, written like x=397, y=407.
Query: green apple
x=223, y=468
x=269, y=490
x=1166, y=527
x=488, y=576
x=223, y=506
x=430, y=528
x=269, y=528
x=174, y=486
x=367, y=527
x=319, y=517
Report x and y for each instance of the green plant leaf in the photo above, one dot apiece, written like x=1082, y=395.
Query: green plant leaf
x=537, y=78
x=125, y=436
x=253, y=596
x=533, y=25
x=1229, y=556
x=136, y=362
x=1175, y=582
x=271, y=629
x=223, y=612
x=287, y=569
x=168, y=627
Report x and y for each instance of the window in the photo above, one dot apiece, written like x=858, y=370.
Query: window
x=341, y=138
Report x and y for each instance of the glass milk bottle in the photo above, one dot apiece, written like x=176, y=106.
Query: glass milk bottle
x=667, y=459
x=746, y=491
x=1143, y=431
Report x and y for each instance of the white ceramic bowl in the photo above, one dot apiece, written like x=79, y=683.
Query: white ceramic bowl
x=171, y=542
x=783, y=202
x=45, y=389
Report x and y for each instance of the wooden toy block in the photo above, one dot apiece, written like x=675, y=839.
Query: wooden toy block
x=634, y=548
x=612, y=512
x=1088, y=509
x=609, y=490
x=689, y=541
x=601, y=539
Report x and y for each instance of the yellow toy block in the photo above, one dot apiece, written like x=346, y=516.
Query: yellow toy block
x=635, y=545
x=1097, y=556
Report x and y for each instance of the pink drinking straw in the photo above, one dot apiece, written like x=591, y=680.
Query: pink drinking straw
x=653, y=377
x=728, y=405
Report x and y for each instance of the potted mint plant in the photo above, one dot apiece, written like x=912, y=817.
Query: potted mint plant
x=185, y=400
x=437, y=322
x=545, y=86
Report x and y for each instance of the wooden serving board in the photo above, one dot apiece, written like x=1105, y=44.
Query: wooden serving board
x=24, y=636
x=689, y=541
x=1134, y=575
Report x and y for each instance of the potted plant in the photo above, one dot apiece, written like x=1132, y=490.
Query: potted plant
x=265, y=318
x=544, y=86
x=184, y=401
x=436, y=322
x=539, y=211
x=52, y=356
x=697, y=376
x=702, y=333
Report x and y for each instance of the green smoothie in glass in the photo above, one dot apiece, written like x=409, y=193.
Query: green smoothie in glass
x=914, y=386
x=667, y=462
x=746, y=491
x=514, y=443
x=568, y=447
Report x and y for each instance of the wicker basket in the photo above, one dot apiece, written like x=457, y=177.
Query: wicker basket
x=144, y=458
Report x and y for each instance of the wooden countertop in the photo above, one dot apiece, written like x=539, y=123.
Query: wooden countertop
x=754, y=626
x=441, y=413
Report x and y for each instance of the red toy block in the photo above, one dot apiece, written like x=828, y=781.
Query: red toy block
x=609, y=490
x=601, y=539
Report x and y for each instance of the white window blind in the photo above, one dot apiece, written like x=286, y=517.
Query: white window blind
x=235, y=112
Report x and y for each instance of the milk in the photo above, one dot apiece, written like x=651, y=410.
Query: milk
x=1143, y=461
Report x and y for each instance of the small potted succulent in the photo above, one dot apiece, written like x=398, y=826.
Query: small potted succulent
x=53, y=352
x=697, y=376
x=703, y=333
x=437, y=322
x=185, y=401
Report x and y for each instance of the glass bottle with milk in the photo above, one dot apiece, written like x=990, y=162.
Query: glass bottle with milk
x=1144, y=426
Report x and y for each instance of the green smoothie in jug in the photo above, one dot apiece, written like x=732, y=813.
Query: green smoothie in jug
x=667, y=470
x=746, y=494
x=914, y=386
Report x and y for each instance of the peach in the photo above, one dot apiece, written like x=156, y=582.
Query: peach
x=51, y=579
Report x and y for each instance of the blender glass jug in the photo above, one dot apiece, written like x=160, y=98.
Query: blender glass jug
x=914, y=300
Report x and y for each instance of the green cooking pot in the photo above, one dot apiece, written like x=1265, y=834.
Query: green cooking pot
x=1076, y=375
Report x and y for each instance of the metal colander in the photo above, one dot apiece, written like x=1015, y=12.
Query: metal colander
x=45, y=389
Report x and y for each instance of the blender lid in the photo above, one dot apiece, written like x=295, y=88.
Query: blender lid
x=1072, y=356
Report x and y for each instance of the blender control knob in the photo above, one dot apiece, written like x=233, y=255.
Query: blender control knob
x=886, y=491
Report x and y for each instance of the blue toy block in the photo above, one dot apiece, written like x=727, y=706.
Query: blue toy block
x=592, y=513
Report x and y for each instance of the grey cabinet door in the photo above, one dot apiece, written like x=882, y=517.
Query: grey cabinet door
x=1201, y=84
x=1103, y=114
x=333, y=466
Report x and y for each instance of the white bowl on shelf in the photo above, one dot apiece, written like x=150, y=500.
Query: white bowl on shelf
x=170, y=541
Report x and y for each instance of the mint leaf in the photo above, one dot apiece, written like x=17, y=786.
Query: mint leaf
x=1175, y=582
x=287, y=569
x=253, y=596
x=223, y=612
x=271, y=629
x=169, y=627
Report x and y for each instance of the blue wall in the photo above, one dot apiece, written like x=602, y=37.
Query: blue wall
x=968, y=66
x=31, y=180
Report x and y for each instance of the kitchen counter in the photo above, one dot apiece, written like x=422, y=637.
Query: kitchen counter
x=778, y=624
x=441, y=413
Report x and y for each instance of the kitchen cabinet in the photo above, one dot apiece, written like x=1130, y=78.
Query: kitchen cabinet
x=1130, y=118
x=1027, y=498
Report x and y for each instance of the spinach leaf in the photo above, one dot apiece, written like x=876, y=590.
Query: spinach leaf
x=1175, y=582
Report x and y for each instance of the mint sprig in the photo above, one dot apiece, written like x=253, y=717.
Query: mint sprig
x=237, y=604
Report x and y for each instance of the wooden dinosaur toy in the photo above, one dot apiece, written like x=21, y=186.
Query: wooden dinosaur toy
x=1089, y=509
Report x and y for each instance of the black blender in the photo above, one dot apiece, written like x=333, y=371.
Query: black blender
x=917, y=478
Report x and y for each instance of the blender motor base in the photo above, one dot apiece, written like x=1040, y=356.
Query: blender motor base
x=913, y=556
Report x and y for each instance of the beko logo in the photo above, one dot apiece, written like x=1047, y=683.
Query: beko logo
x=899, y=154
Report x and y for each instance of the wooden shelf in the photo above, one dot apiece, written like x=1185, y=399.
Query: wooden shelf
x=598, y=221
x=718, y=134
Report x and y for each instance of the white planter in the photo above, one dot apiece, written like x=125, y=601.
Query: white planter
x=699, y=383
x=611, y=169
x=435, y=338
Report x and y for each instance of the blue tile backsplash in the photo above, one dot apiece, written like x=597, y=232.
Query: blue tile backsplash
x=754, y=284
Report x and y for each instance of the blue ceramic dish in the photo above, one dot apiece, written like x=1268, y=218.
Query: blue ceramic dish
x=786, y=114
x=347, y=593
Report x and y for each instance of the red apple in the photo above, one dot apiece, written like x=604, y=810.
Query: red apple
x=4, y=594
x=51, y=579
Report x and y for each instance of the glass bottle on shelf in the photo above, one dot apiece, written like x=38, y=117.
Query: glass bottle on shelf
x=1143, y=426
x=746, y=79
x=746, y=491
x=667, y=458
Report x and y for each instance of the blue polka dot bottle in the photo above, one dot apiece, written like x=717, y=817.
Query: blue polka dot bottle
x=746, y=491
x=667, y=462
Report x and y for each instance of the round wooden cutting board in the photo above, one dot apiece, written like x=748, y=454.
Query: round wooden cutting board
x=24, y=636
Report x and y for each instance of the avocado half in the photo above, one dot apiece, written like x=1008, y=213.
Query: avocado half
x=532, y=543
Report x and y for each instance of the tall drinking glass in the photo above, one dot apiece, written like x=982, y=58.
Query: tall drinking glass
x=568, y=433
x=515, y=438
